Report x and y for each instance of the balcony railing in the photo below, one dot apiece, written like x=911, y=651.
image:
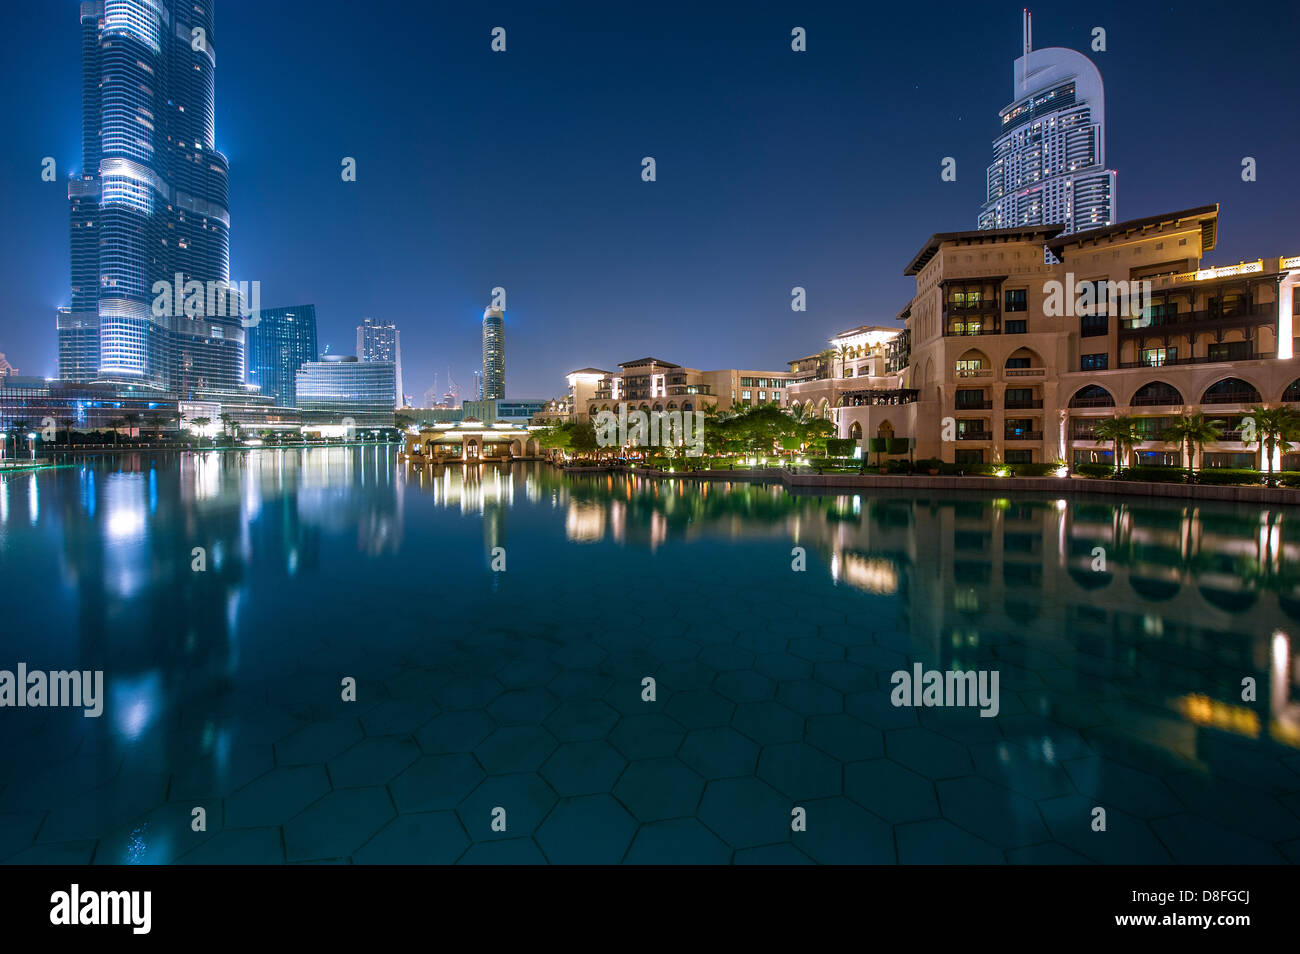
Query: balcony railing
x=975, y=436
x=1026, y=372
x=1169, y=399
x=1019, y=405
x=868, y=398
x=1023, y=435
x=1203, y=359
x=1092, y=402
x=974, y=405
x=982, y=328
x=975, y=373
x=1232, y=397
x=1141, y=324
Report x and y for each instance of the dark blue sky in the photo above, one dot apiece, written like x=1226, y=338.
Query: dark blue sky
x=522, y=169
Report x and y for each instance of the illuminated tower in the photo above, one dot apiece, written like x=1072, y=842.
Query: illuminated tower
x=1049, y=160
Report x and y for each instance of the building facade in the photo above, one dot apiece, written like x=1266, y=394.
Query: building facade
x=281, y=342
x=381, y=341
x=150, y=205
x=653, y=384
x=1049, y=158
x=1013, y=360
x=493, y=384
x=339, y=388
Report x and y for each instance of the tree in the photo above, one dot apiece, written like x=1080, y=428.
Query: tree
x=117, y=424
x=845, y=352
x=202, y=424
x=1192, y=431
x=403, y=421
x=1123, y=431
x=68, y=423
x=228, y=423
x=1276, y=428
x=583, y=438
x=132, y=422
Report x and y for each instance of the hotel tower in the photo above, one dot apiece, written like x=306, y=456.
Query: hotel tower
x=1049, y=159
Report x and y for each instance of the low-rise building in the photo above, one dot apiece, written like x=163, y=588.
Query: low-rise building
x=1013, y=357
x=469, y=441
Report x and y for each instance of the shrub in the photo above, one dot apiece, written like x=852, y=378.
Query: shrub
x=839, y=447
x=929, y=463
x=1094, y=469
x=1228, y=477
x=899, y=445
x=897, y=467
x=1033, y=470
x=1288, y=478
x=1155, y=474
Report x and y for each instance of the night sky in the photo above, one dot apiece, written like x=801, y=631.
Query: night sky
x=523, y=169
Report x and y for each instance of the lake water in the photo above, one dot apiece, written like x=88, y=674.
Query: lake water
x=1120, y=633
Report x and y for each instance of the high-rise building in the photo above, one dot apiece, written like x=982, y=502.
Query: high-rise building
x=1049, y=159
x=339, y=388
x=282, y=341
x=150, y=204
x=494, y=355
x=381, y=341
x=6, y=368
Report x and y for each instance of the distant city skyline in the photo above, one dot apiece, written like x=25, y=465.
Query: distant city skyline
x=770, y=166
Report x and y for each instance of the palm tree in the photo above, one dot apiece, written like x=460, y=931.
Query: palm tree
x=201, y=423
x=845, y=353
x=68, y=424
x=1192, y=431
x=1275, y=429
x=117, y=424
x=132, y=422
x=1123, y=431
x=827, y=357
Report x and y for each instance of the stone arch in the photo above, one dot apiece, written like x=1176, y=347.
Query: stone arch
x=855, y=431
x=885, y=429
x=1092, y=395
x=1035, y=359
x=1157, y=394
x=972, y=354
x=1292, y=393
x=687, y=406
x=1231, y=391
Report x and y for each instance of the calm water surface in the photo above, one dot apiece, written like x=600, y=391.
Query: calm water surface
x=1121, y=687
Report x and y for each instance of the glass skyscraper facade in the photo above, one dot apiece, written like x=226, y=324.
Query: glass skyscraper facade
x=339, y=386
x=151, y=203
x=381, y=341
x=281, y=342
x=494, y=355
x=1049, y=159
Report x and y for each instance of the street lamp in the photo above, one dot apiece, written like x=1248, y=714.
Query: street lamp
x=31, y=443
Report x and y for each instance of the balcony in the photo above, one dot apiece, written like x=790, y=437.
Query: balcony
x=1025, y=372
x=957, y=328
x=1260, y=311
x=974, y=405
x=1204, y=359
x=1036, y=405
x=870, y=398
x=975, y=436
x=1023, y=436
x=975, y=372
x=1230, y=397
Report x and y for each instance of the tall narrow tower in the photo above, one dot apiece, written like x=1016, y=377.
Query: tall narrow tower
x=1049, y=158
x=150, y=203
x=494, y=354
